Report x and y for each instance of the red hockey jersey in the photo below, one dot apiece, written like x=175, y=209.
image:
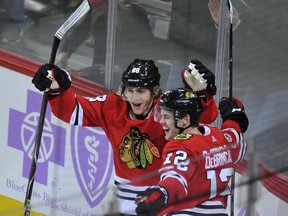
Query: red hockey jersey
x=137, y=144
x=197, y=168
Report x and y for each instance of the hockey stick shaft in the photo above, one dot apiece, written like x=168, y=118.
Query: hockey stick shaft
x=230, y=94
x=231, y=52
x=83, y=8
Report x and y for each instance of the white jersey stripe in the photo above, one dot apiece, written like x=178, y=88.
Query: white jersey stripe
x=74, y=115
x=77, y=115
x=173, y=174
x=126, y=195
x=206, y=208
x=80, y=115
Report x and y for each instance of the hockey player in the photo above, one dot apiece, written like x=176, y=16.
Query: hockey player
x=127, y=118
x=198, y=159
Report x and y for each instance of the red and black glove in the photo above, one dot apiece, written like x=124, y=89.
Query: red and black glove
x=233, y=109
x=54, y=81
x=151, y=201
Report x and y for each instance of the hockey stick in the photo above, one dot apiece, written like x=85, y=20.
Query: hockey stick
x=83, y=8
x=230, y=7
x=230, y=94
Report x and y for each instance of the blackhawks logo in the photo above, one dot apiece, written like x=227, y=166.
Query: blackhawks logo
x=183, y=137
x=137, y=150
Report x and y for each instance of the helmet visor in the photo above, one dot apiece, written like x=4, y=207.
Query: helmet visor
x=128, y=92
x=158, y=112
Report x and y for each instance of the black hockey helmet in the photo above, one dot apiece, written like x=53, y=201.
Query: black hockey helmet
x=182, y=101
x=141, y=73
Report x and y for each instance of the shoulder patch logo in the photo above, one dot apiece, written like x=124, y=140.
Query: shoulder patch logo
x=118, y=93
x=183, y=137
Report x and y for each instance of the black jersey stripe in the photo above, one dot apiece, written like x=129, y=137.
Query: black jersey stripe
x=196, y=213
x=125, y=198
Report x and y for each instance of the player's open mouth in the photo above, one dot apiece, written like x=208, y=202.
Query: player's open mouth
x=137, y=105
x=166, y=129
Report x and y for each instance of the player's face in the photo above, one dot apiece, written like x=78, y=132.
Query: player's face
x=168, y=124
x=140, y=99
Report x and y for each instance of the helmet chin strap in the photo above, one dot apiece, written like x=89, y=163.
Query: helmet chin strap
x=181, y=129
x=150, y=107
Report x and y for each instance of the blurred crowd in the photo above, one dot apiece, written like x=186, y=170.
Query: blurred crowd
x=14, y=13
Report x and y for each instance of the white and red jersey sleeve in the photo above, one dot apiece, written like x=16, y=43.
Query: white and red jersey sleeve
x=235, y=140
x=85, y=111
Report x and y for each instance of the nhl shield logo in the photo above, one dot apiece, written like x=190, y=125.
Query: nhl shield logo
x=93, y=162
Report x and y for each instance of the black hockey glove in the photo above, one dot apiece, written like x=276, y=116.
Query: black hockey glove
x=54, y=81
x=151, y=201
x=198, y=77
x=233, y=109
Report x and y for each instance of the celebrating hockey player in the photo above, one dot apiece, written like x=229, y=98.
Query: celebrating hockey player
x=127, y=118
x=198, y=160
